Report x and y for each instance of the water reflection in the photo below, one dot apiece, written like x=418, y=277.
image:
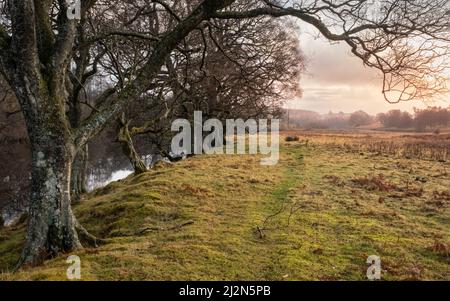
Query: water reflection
x=110, y=170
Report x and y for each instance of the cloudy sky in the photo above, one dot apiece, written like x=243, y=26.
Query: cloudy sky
x=337, y=81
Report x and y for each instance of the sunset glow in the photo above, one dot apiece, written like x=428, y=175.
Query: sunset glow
x=336, y=81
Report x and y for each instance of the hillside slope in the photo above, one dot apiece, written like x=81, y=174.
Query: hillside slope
x=317, y=215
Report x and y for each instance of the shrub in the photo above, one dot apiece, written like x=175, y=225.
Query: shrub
x=292, y=138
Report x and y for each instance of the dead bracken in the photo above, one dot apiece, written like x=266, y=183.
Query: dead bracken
x=374, y=182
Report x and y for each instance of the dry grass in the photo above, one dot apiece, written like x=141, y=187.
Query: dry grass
x=377, y=182
x=330, y=210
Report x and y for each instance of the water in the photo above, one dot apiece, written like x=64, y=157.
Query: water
x=112, y=170
x=101, y=173
x=94, y=183
x=9, y=218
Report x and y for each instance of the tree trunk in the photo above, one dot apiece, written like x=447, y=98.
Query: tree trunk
x=51, y=224
x=124, y=137
x=37, y=72
x=79, y=174
x=52, y=227
x=79, y=165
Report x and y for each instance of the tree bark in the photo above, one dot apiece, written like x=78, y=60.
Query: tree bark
x=124, y=137
x=35, y=60
x=79, y=174
x=79, y=166
x=51, y=224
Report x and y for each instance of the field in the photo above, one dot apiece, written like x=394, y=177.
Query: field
x=333, y=200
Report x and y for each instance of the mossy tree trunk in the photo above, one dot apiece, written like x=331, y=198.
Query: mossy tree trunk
x=79, y=174
x=128, y=149
x=36, y=53
x=74, y=114
x=38, y=75
x=51, y=225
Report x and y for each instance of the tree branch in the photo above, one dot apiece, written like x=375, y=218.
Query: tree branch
x=5, y=44
x=149, y=71
x=24, y=45
x=44, y=31
x=406, y=41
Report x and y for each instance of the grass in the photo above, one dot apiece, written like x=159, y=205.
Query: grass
x=198, y=220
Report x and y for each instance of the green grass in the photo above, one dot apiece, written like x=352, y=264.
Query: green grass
x=336, y=226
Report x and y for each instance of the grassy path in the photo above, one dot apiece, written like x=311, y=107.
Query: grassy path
x=197, y=220
x=339, y=224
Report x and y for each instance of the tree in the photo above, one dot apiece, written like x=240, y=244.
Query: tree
x=36, y=54
x=39, y=46
x=224, y=78
x=360, y=118
x=396, y=119
x=431, y=117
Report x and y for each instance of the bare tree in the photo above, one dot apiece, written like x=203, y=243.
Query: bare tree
x=407, y=40
x=243, y=69
x=37, y=44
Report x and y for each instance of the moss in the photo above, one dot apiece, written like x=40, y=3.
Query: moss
x=12, y=240
x=336, y=226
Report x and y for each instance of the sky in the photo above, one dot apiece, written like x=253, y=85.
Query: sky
x=335, y=80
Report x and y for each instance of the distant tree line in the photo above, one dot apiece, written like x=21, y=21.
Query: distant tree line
x=422, y=119
x=314, y=120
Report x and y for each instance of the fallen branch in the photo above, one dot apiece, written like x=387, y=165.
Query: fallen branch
x=261, y=234
x=260, y=229
x=88, y=238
